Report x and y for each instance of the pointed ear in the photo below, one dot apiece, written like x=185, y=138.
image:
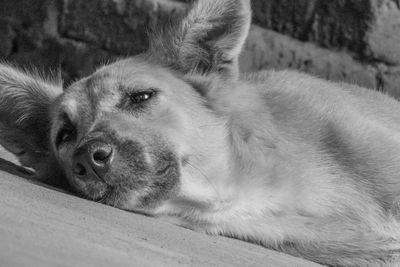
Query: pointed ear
x=25, y=102
x=208, y=39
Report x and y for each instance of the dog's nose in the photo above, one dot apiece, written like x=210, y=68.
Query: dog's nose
x=92, y=160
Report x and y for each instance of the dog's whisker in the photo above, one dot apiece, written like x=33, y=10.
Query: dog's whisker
x=202, y=173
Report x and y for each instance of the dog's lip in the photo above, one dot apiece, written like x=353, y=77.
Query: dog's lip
x=97, y=199
x=97, y=196
x=165, y=169
x=110, y=193
x=100, y=178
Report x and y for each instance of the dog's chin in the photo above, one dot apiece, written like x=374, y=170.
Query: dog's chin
x=117, y=196
x=138, y=194
x=133, y=201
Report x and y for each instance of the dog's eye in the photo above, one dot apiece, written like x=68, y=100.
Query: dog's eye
x=139, y=97
x=66, y=133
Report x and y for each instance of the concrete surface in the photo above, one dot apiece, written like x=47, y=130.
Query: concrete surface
x=40, y=226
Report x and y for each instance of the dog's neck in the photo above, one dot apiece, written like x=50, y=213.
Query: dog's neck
x=222, y=179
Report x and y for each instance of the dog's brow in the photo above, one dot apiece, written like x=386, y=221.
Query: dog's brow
x=132, y=89
x=71, y=107
x=123, y=88
x=95, y=80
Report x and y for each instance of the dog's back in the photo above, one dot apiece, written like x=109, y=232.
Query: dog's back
x=353, y=130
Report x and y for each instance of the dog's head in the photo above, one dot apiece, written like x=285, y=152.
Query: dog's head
x=141, y=131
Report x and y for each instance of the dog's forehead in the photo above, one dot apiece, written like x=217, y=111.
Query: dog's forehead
x=104, y=89
x=132, y=72
x=127, y=75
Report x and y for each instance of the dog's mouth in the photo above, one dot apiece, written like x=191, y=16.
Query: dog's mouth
x=126, y=187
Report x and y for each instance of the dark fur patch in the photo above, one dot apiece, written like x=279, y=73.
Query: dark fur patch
x=130, y=171
x=165, y=182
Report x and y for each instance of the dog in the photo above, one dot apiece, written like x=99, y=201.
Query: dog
x=282, y=159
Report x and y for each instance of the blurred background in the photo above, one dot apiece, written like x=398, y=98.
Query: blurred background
x=356, y=41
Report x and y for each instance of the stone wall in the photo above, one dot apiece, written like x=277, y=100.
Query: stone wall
x=352, y=40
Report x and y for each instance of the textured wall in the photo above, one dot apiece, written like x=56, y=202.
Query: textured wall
x=352, y=40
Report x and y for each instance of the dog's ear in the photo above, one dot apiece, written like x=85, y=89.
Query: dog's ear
x=25, y=102
x=208, y=39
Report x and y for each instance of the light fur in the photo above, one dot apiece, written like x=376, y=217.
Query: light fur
x=282, y=159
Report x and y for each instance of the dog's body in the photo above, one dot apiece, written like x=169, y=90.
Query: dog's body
x=282, y=159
